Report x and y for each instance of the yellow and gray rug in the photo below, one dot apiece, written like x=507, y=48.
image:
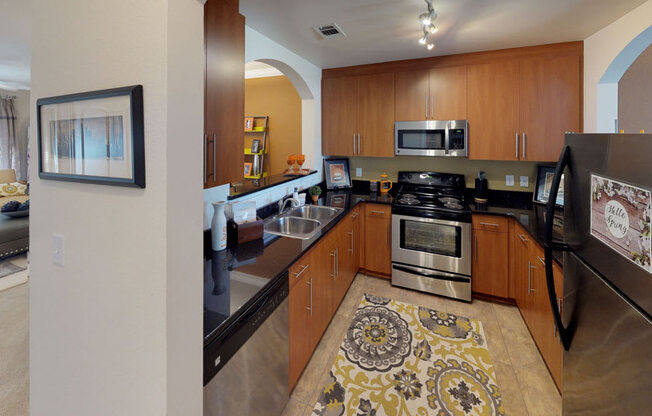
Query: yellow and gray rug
x=400, y=359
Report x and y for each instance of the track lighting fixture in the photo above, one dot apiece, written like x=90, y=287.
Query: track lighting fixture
x=427, y=24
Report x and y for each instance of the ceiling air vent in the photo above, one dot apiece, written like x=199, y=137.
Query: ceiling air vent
x=331, y=31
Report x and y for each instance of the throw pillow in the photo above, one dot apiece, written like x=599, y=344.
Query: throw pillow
x=13, y=189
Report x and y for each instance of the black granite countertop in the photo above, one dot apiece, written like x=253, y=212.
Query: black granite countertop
x=233, y=277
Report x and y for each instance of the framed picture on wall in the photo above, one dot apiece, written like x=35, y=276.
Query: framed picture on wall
x=94, y=137
x=248, y=168
x=249, y=123
x=543, y=184
x=337, y=173
x=255, y=146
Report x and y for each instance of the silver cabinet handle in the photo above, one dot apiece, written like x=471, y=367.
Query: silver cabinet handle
x=530, y=289
x=523, y=145
x=352, y=248
x=214, y=159
x=303, y=269
x=354, y=143
x=334, y=274
x=337, y=262
x=426, y=106
x=476, y=248
x=354, y=215
x=309, y=282
x=523, y=239
x=490, y=224
x=432, y=107
x=517, y=145
x=205, y=140
x=377, y=212
x=359, y=148
x=543, y=261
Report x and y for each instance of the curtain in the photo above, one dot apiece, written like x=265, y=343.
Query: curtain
x=13, y=146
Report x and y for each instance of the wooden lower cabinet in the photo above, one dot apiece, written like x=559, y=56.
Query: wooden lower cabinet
x=378, y=239
x=490, y=270
x=318, y=283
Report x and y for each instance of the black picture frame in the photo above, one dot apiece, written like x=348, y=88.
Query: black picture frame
x=545, y=173
x=133, y=157
x=337, y=173
x=255, y=146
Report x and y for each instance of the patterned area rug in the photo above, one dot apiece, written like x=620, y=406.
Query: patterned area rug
x=400, y=359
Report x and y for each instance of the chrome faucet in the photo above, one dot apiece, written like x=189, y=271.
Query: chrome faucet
x=283, y=202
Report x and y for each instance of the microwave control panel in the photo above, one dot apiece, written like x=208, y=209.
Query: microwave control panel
x=456, y=139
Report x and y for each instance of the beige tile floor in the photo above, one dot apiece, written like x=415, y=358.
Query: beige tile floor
x=526, y=386
x=14, y=348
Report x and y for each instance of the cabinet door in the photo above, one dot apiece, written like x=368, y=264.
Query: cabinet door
x=493, y=111
x=549, y=105
x=490, y=271
x=323, y=289
x=376, y=115
x=301, y=312
x=448, y=93
x=412, y=96
x=343, y=260
x=522, y=272
x=554, y=342
x=378, y=239
x=356, y=219
x=224, y=92
x=339, y=112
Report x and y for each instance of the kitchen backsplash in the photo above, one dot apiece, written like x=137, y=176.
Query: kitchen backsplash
x=372, y=168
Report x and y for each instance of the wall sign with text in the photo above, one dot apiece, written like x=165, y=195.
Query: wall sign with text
x=620, y=218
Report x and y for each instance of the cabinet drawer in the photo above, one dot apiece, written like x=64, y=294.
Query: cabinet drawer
x=490, y=223
x=377, y=210
x=300, y=269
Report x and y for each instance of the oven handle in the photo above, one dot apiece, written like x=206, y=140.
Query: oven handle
x=437, y=275
x=461, y=224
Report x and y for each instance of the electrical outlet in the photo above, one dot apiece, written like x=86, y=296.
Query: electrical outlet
x=58, y=249
x=358, y=172
x=525, y=181
x=509, y=180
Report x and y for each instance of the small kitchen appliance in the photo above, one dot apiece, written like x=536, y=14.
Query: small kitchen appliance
x=431, y=138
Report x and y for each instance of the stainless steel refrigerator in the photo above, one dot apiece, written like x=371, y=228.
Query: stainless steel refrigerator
x=605, y=323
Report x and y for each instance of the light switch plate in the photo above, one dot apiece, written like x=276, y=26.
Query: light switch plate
x=509, y=180
x=525, y=181
x=58, y=249
x=358, y=172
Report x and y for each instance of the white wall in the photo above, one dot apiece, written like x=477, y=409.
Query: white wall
x=118, y=330
x=259, y=47
x=600, y=49
x=21, y=106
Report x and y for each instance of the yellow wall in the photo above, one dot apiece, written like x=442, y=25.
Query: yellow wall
x=496, y=171
x=275, y=97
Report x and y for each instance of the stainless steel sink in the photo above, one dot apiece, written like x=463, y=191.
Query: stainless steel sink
x=314, y=212
x=294, y=227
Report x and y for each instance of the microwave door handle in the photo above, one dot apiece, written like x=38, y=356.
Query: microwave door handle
x=447, y=137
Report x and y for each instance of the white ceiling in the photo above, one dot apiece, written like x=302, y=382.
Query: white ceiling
x=386, y=30
x=14, y=44
x=255, y=69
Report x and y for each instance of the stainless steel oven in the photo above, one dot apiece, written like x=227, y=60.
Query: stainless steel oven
x=432, y=255
x=431, y=138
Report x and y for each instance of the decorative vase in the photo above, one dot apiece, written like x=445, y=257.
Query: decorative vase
x=315, y=198
x=218, y=227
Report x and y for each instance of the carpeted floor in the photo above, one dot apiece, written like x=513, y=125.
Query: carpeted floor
x=402, y=359
x=13, y=271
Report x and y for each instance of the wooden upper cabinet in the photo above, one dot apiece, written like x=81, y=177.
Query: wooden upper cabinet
x=448, y=93
x=224, y=92
x=493, y=110
x=549, y=105
x=412, y=96
x=339, y=112
x=376, y=115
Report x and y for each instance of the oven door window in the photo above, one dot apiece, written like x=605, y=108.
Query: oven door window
x=422, y=139
x=432, y=238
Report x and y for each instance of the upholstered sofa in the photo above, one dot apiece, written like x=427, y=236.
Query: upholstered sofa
x=14, y=232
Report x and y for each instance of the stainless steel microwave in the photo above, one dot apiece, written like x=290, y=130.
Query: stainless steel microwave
x=431, y=138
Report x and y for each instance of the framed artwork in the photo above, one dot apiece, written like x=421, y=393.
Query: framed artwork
x=248, y=168
x=94, y=137
x=543, y=184
x=337, y=173
x=255, y=146
x=249, y=123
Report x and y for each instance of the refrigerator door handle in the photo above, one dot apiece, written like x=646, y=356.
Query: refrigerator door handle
x=564, y=159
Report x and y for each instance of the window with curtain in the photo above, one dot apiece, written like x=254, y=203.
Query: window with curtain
x=13, y=146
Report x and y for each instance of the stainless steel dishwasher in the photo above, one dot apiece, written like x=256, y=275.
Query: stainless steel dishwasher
x=246, y=368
